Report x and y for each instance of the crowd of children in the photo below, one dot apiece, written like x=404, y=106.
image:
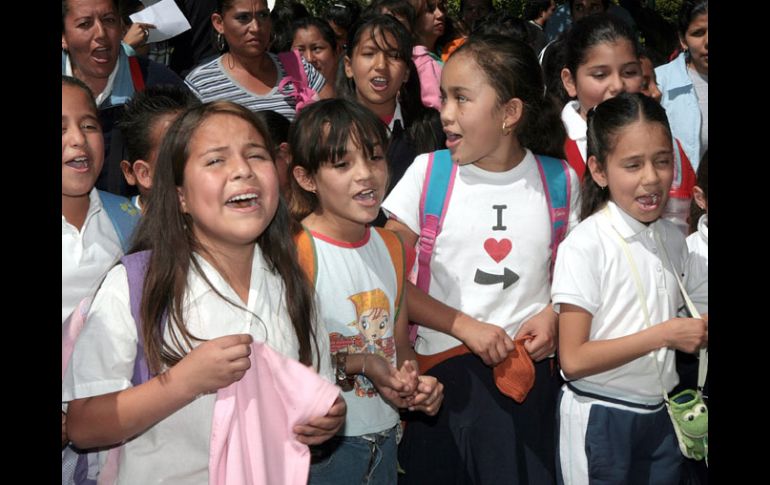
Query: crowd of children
x=324, y=275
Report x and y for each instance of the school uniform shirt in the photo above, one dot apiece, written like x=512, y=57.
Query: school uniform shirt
x=357, y=288
x=592, y=272
x=176, y=449
x=697, y=276
x=491, y=259
x=87, y=254
x=211, y=82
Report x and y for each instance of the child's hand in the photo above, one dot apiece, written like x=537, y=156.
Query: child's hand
x=321, y=428
x=686, y=334
x=543, y=328
x=215, y=364
x=64, y=438
x=488, y=341
x=409, y=376
x=428, y=396
x=387, y=380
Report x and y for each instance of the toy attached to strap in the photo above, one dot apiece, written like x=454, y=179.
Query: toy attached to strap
x=440, y=175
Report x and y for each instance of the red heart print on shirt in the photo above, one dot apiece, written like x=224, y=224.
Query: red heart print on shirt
x=497, y=250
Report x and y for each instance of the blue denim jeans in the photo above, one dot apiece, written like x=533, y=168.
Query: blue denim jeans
x=368, y=459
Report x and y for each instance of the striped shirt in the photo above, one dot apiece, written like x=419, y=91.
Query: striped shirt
x=211, y=82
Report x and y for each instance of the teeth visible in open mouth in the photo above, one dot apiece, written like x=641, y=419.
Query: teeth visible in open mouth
x=380, y=81
x=242, y=198
x=78, y=162
x=366, y=194
x=652, y=199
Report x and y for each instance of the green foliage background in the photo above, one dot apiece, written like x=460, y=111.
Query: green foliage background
x=667, y=8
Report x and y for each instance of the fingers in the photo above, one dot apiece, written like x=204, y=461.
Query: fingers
x=321, y=428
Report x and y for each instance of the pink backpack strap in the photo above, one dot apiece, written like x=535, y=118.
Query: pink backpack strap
x=296, y=75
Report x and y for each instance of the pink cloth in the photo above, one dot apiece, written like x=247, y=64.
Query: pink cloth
x=252, y=441
x=429, y=72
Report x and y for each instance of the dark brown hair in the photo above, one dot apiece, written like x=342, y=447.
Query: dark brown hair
x=167, y=232
x=320, y=136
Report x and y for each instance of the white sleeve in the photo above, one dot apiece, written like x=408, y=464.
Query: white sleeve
x=103, y=358
x=403, y=203
x=574, y=202
x=696, y=279
x=576, y=275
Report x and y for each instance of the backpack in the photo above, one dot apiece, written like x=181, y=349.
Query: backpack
x=437, y=189
x=303, y=94
x=307, y=258
x=136, y=267
x=123, y=214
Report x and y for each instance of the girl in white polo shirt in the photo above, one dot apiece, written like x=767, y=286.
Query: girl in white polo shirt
x=616, y=293
x=221, y=272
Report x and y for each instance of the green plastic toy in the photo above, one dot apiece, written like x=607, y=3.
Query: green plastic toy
x=691, y=418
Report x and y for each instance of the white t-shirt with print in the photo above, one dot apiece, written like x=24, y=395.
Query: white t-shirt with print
x=491, y=259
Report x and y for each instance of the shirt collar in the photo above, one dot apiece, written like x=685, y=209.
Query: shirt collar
x=703, y=228
x=197, y=286
x=397, y=116
x=574, y=123
x=94, y=207
x=627, y=226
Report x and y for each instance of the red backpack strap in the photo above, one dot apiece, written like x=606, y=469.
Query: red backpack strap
x=574, y=157
x=136, y=73
x=684, y=175
x=397, y=256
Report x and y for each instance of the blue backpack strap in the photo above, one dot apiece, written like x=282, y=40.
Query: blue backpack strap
x=136, y=268
x=437, y=188
x=123, y=215
x=554, y=174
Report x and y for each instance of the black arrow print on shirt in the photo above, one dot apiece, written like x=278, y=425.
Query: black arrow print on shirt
x=507, y=278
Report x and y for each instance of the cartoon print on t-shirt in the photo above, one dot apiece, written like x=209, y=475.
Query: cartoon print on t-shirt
x=375, y=334
x=497, y=249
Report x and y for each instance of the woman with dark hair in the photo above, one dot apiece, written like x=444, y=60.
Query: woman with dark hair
x=315, y=41
x=92, y=52
x=246, y=73
x=684, y=81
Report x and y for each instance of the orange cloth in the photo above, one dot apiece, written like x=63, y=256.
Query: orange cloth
x=514, y=376
x=451, y=47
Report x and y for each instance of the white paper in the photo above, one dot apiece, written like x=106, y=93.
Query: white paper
x=168, y=20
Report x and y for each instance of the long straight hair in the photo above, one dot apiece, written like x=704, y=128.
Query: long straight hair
x=167, y=231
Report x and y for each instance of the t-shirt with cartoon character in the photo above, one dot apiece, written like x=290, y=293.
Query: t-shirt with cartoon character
x=357, y=288
x=491, y=259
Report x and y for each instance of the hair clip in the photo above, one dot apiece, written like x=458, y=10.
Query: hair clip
x=339, y=5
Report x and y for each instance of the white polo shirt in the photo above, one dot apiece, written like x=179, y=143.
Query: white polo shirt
x=697, y=277
x=592, y=272
x=87, y=254
x=176, y=450
x=495, y=223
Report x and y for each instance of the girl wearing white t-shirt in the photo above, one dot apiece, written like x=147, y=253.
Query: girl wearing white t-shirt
x=340, y=176
x=221, y=274
x=489, y=273
x=617, y=296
